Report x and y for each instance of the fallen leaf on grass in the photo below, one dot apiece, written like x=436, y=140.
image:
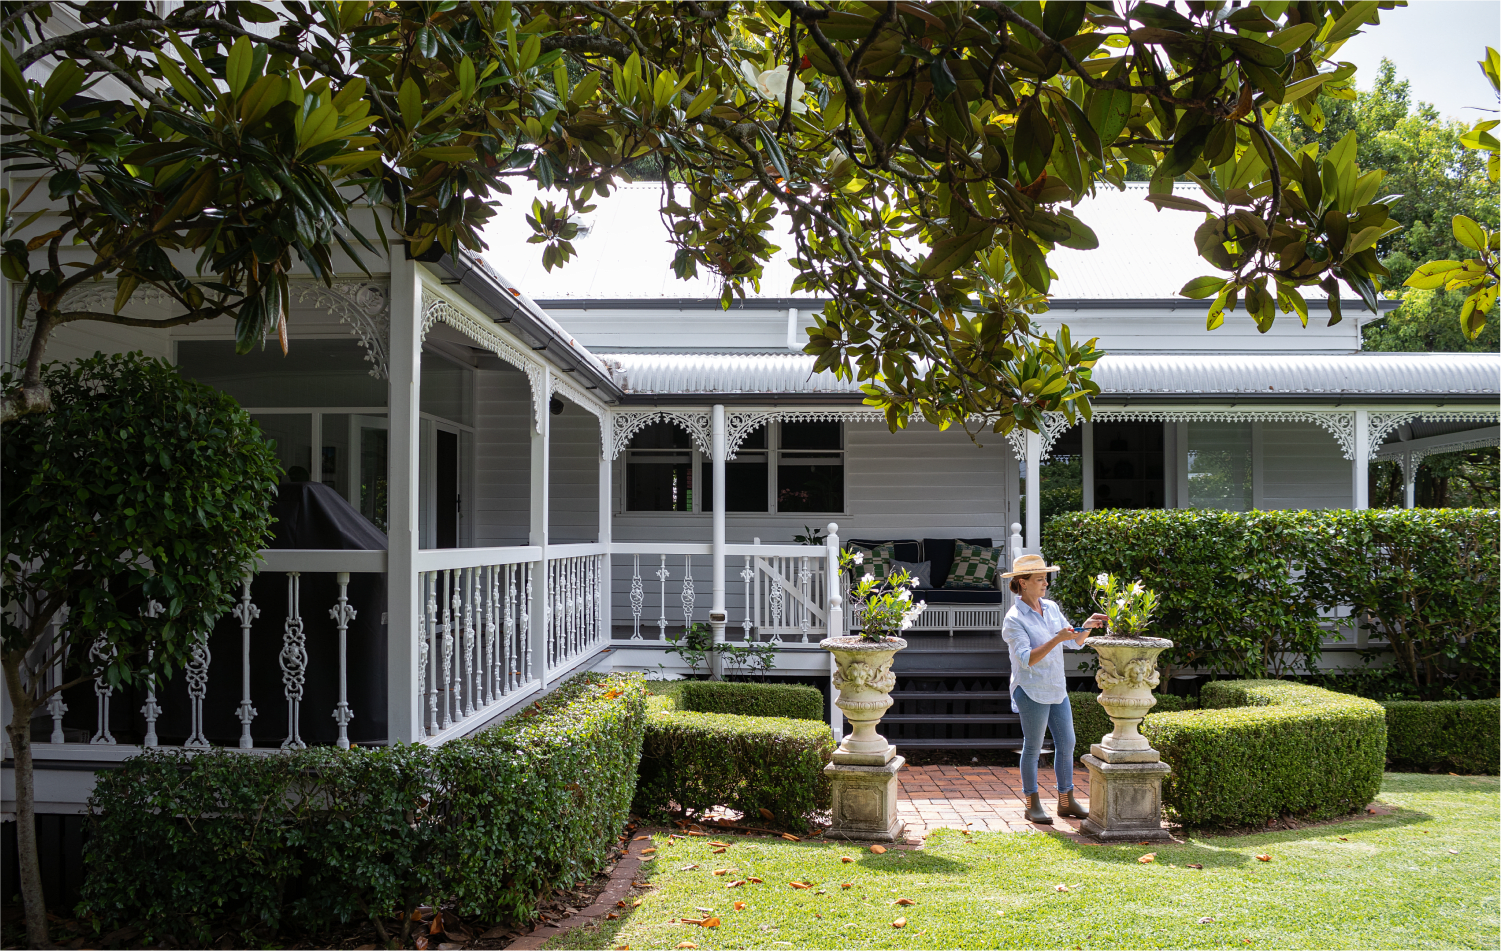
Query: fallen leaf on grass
x=821, y=891
x=620, y=904
x=766, y=813
x=720, y=871
x=899, y=923
x=718, y=851
x=1453, y=774
x=640, y=837
x=753, y=880
x=1207, y=920
x=735, y=884
x=1194, y=865
x=688, y=868
x=695, y=832
x=790, y=837
x=421, y=942
x=845, y=858
x=720, y=845
x=612, y=916
x=636, y=903
x=437, y=925
x=739, y=905
x=1060, y=887
x=647, y=851
x=1343, y=839
x=904, y=901
x=799, y=884
x=1263, y=858
x=1453, y=851
x=848, y=885
x=686, y=944
x=878, y=849
x=1149, y=857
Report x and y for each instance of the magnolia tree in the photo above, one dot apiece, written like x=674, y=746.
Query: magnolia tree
x=132, y=511
x=927, y=157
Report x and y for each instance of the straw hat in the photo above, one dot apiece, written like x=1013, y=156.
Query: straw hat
x=1029, y=565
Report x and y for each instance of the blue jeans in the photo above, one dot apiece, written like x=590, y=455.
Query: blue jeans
x=1036, y=717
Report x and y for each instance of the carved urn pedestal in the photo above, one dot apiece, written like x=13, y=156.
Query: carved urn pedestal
x=864, y=767
x=1125, y=773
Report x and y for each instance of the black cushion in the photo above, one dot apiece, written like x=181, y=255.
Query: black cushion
x=962, y=596
x=907, y=549
x=940, y=551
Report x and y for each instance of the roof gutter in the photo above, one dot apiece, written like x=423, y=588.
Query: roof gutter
x=812, y=304
x=483, y=287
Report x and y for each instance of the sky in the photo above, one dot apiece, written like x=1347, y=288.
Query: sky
x=1435, y=45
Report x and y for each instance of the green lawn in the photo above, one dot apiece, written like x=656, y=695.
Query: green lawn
x=1425, y=876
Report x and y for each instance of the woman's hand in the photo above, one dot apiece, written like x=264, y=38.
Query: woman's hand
x=1096, y=620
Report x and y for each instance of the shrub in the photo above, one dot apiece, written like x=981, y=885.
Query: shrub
x=692, y=762
x=1461, y=736
x=180, y=843
x=1264, y=748
x=1244, y=593
x=1091, y=722
x=793, y=701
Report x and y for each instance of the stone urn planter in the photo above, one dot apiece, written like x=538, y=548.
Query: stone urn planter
x=1125, y=773
x=864, y=767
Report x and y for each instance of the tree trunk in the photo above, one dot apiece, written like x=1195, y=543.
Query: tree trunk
x=19, y=730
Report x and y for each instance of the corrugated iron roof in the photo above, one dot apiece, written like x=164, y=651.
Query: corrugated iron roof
x=1143, y=254
x=1272, y=376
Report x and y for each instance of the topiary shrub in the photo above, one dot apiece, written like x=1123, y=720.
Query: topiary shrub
x=692, y=762
x=1261, y=749
x=1092, y=723
x=1461, y=736
x=188, y=845
x=793, y=701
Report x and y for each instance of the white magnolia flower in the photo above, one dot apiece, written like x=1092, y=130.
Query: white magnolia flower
x=859, y=558
x=772, y=84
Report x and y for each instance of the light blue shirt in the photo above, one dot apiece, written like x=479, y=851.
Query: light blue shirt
x=1025, y=630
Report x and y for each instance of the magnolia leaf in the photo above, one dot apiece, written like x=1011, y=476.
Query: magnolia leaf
x=1431, y=275
x=1201, y=287
x=1468, y=233
x=1179, y=202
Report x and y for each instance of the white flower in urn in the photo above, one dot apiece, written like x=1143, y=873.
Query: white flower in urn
x=772, y=84
x=869, y=578
x=858, y=558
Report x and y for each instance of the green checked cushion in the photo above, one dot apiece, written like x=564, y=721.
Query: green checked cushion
x=974, y=567
x=877, y=561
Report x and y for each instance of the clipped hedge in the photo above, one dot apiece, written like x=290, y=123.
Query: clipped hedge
x=1246, y=593
x=793, y=701
x=693, y=761
x=1091, y=722
x=186, y=844
x=1261, y=749
x=1462, y=736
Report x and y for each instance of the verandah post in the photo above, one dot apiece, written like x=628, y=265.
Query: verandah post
x=402, y=598
x=1034, y=489
x=834, y=586
x=606, y=533
x=541, y=494
x=1360, y=465
x=717, y=609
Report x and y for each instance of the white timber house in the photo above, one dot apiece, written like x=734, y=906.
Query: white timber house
x=569, y=467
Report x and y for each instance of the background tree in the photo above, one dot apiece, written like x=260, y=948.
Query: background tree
x=132, y=511
x=926, y=156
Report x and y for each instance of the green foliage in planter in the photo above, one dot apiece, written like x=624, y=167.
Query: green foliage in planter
x=1091, y=722
x=1265, y=748
x=693, y=761
x=188, y=844
x=1243, y=592
x=793, y=701
x=1461, y=736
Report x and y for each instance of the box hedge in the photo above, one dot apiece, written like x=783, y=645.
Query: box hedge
x=187, y=845
x=1462, y=736
x=1261, y=749
x=692, y=761
x=793, y=701
x=1091, y=722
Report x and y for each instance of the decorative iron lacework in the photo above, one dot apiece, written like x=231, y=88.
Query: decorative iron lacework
x=435, y=309
x=625, y=425
x=740, y=424
x=1339, y=423
x=365, y=306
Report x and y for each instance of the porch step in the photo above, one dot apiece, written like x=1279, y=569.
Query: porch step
x=937, y=719
x=984, y=743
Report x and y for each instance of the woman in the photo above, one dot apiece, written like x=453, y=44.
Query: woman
x=1033, y=628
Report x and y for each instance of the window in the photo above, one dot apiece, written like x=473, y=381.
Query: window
x=659, y=470
x=810, y=467
x=746, y=477
x=1219, y=466
x=664, y=473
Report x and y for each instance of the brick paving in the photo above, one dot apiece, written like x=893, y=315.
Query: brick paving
x=978, y=798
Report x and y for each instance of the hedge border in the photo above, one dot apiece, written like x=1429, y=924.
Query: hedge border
x=1092, y=723
x=1462, y=736
x=791, y=701
x=1262, y=749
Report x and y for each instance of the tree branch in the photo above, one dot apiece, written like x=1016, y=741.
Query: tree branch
x=5, y=24
x=602, y=45
x=621, y=25
x=109, y=31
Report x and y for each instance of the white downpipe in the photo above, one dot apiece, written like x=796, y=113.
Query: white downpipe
x=1034, y=490
x=541, y=498
x=792, y=343
x=606, y=529
x=717, y=615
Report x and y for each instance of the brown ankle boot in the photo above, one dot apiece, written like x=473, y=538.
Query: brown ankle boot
x=1035, y=812
x=1071, y=807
